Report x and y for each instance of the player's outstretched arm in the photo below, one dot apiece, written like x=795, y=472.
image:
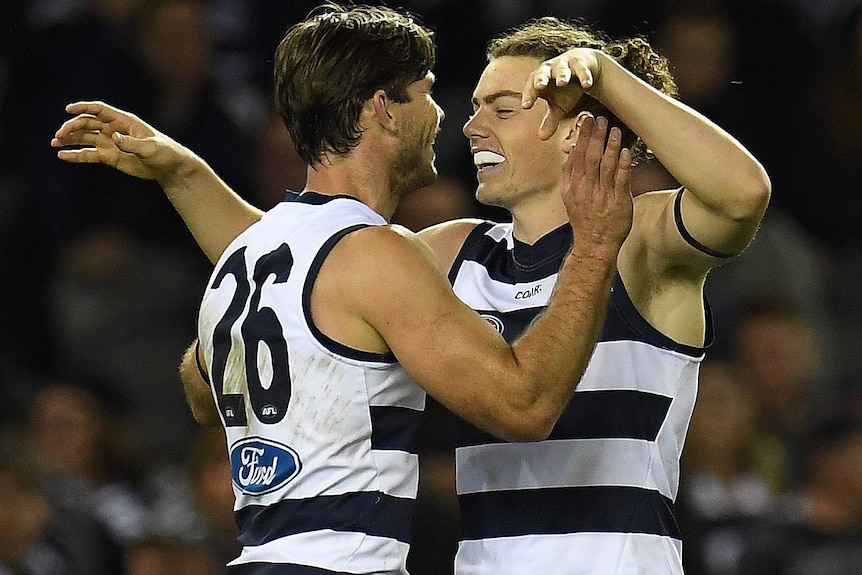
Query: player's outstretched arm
x=100, y=133
x=516, y=392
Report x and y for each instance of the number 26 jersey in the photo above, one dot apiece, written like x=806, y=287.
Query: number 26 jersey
x=320, y=436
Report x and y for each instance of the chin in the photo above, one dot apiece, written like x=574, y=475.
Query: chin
x=487, y=196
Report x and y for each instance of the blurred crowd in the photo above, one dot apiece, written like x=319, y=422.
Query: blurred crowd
x=102, y=468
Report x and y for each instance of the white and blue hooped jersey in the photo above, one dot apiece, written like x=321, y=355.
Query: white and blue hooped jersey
x=320, y=436
x=596, y=497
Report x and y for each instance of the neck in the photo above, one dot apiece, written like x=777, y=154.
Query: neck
x=355, y=175
x=534, y=218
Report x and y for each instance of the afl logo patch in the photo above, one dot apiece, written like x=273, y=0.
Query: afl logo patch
x=493, y=320
x=259, y=465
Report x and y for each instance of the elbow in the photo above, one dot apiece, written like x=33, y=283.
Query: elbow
x=760, y=191
x=752, y=196
x=526, y=423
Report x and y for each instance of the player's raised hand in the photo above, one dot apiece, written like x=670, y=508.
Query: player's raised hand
x=561, y=81
x=598, y=198
x=100, y=133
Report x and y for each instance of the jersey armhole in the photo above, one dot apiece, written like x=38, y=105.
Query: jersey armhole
x=201, y=369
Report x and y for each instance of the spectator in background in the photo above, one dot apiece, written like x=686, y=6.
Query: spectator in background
x=277, y=166
x=88, y=459
x=210, y=479
x=819, y=530
x=127, y=279
x=732, y=473
x=184, y=96
x=38, y=536
x=171, y=555
x=778, y=358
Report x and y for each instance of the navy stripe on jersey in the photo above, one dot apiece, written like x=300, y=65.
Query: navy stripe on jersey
x=315, y=198
x=600, y=414
x=328, y=342
x=371, y=512
x=591, y=509
x=394, y=428
x=521, y=264
x=279, y=569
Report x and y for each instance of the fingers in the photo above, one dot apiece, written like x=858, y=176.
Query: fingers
x=623, y=179
x=610, y=158
x=81, y=156
x=95, y=108
x=555, y=73
x=595, y=149
x=599, y=159
x=75, y=131
x=577, y=156
x=140, y=147
x=551, y=121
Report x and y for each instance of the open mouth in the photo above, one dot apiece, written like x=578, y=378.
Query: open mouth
x=485, y=159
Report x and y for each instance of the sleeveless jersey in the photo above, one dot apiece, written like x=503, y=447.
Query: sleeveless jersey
x=320, y=436
x=596, y=497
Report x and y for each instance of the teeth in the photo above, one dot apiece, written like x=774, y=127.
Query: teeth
x=485, y=158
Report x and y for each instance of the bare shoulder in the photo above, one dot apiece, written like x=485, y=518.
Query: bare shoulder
x=368, y=281
x=445, y=239
x=379, y=252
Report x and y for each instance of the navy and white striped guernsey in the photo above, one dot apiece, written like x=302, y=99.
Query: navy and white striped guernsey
x=596, y=497
x=320, y=436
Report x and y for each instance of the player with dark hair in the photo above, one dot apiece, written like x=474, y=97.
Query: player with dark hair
x=309, y=307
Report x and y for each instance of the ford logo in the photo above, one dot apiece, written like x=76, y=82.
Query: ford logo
x=260, y=465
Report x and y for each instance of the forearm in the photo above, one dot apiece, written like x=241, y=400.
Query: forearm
x=704, y=158
x=554, y=353
x=213, y=212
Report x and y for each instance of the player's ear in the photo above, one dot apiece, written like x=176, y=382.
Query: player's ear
x=380, y=109
x=572, y=128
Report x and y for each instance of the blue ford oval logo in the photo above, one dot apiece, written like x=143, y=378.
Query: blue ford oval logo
x=259, y=465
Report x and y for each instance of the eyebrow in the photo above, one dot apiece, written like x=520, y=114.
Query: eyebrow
x=491, y=98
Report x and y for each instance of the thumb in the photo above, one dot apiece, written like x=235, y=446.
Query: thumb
x=551, y=121
x=127, y=143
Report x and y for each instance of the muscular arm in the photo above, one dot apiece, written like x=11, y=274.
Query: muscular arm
x=103, y=134
x=727, y=190
x=516, y=392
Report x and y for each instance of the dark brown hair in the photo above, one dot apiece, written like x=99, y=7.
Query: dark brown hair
x=330, y=64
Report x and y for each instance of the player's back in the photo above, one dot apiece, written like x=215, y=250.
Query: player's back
x=320, y=435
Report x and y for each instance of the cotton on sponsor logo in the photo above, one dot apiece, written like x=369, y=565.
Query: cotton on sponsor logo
x=528, y=293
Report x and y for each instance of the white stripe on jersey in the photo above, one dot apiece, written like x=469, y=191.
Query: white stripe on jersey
x=571, y=554
x=670, y=369
x=558, y=463
x=479, y=291
x=398, y=472
x=332, y=550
